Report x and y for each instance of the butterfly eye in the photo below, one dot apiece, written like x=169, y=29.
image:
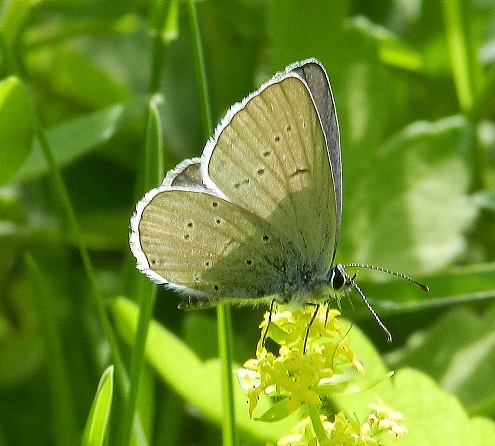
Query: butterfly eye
x=337, y=279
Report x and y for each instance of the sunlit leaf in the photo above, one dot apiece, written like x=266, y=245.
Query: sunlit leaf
x=16, y=127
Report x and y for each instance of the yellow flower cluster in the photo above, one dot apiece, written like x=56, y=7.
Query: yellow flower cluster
x=314, y=360
x=385, y=419
x=308, y=361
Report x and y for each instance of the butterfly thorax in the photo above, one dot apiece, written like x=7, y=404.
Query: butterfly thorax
x=309, y=287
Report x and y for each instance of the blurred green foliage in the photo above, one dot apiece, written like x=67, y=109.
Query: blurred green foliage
x=414, y=85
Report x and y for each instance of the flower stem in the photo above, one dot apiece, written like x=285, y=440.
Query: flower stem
x=225, y=345
x=321, y=434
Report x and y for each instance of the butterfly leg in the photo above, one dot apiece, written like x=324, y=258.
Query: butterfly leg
x=268, y=323
x=196, y=303
x=317, y=307
x=326, y=312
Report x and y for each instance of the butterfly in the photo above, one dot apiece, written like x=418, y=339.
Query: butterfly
x=257, y=217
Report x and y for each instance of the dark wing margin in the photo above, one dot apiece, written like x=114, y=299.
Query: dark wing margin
x=313, y=73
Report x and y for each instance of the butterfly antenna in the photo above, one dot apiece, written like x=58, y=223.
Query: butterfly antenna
x=393, y=273
x=370, y=308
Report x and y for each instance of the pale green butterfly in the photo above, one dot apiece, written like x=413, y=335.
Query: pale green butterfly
x=257, y=217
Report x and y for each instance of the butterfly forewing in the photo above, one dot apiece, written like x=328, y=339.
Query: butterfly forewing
x=214, y=248
x=271, y=158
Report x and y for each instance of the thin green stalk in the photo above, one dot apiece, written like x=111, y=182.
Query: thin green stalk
x=7, y=58
x=158, y=51
x=201, y=70
x=70, y=215
x=158, y=13
x=152, y=175
x=320, y=432
x=130, y=419
x=460, y=53
x=485, y=97
x=466, y=71
x=83, y=250
x=224, y=324
x=225, y=351
x=65, y=426
x=153, y=172
x=121, y=373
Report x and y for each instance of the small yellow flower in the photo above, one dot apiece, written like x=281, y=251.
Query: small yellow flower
x=385, y=419
x=341, y=432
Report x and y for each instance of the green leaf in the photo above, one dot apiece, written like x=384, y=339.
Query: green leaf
x=72, y=139
x=434, y=416
x=349, y=382
x=486, y=199
x=463, y=359
x=231, y=66
x=368, y=95
x=412, y=208
x=315, y=29
x=431, y=415
x=275, y=413
x=16, y=127
x=73, y=74
x=196, y=381
x=447, y=288
x=12, y=17
x=94, y=432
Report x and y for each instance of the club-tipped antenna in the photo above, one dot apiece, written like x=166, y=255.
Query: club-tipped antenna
x=393, y=273
x=370, y=308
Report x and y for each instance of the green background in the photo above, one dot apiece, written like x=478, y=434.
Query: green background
x=414, y=86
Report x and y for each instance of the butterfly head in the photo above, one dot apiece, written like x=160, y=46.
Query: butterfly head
x=340, y=280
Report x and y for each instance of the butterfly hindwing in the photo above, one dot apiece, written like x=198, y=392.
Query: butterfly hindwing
x=214, y=248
